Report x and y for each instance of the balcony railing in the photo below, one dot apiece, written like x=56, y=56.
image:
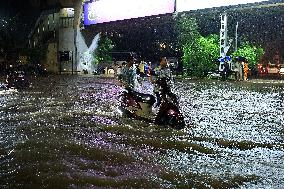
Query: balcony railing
x=66, y=22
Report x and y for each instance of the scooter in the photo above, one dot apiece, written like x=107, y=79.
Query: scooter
x=17, y=80
x=139, y=106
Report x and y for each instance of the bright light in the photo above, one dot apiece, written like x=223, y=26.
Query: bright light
x=67, y=12
x=163, y=45
x=110, y=71
x=112, y=10
x=187, y=5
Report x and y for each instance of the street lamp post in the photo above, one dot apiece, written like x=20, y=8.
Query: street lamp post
x=236, y=45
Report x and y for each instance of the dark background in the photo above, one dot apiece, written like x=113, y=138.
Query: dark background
x=260, y=26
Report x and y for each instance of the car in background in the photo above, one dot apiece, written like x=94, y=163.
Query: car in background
x=118, y=59
x=121, y=57
x=261, y=69
x=273, y=68
x=281, y=71
x=270, y=69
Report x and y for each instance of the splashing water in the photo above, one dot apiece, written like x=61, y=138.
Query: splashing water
x=64, y=133
x=86, y=57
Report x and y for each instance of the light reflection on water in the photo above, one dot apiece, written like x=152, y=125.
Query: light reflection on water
x=64, y=133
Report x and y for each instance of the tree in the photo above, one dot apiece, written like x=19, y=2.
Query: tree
x=8, y=31
x=187, y=30
x=13, y=35
x=201, y=59
x=199, y=53
x=101, y=54
x=35, y=54
x=251, y=52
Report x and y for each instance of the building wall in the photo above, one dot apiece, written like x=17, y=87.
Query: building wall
x=66, y=43
x=46, y=27
x=57, y=29
x=51, y=65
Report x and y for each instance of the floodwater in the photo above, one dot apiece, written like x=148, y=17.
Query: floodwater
x=64, y=132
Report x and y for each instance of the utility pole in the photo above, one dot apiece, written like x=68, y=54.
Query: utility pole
x=236, y=45
x=223, y=35
x=223, y=41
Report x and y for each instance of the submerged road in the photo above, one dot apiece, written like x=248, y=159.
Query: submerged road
x=64, y=132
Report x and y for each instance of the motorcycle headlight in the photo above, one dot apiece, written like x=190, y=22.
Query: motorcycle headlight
x=171, y=112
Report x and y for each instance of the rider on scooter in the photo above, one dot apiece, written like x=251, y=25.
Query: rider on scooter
x=163, y=81
x=139, y=105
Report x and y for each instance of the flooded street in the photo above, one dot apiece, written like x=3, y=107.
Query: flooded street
x=64, y=132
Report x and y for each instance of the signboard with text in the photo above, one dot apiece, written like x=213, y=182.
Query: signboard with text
x=188, y=5
x=111, y=10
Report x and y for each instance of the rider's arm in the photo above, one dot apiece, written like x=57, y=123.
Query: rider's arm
x=154, y=73
x=123, y=76
x=151, y=79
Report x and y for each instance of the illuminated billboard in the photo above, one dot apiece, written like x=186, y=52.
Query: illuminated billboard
x=188, y=5
x=111, y=10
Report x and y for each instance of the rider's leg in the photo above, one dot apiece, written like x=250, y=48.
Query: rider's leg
x=158, y=99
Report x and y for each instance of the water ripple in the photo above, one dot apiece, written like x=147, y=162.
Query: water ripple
x=64, y=132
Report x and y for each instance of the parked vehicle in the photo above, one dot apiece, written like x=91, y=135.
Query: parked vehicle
x=281, y=71
x=121, y=57
x=118, y=59
x=17, y=79
x=270, y=69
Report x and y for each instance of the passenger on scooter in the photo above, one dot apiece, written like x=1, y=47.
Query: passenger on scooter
x=163, y=81
x=128, y=77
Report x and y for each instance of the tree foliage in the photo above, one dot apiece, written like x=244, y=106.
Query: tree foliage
x=8, y=30
x=35, y=54
x=199, y=53
x=187, y=30
x=251, y=52
x=201, y=59
x=13, y=37
x=101, y=54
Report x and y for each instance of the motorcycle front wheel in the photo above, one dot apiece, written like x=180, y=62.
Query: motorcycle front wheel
x=176, y=122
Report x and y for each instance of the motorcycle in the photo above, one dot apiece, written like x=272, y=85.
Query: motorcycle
x=139, y=106
x=17, y=79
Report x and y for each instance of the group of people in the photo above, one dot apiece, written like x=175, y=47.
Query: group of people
x=160, y=77
x=144, y=68
x=241, y=70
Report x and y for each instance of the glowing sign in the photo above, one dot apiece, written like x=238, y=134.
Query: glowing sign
x=67, y=12
x=187, y=5
x=111, y=10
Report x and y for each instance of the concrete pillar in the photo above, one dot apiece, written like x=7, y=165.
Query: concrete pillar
x=78, y=8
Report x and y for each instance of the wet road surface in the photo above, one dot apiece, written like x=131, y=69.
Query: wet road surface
x=64, y=132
